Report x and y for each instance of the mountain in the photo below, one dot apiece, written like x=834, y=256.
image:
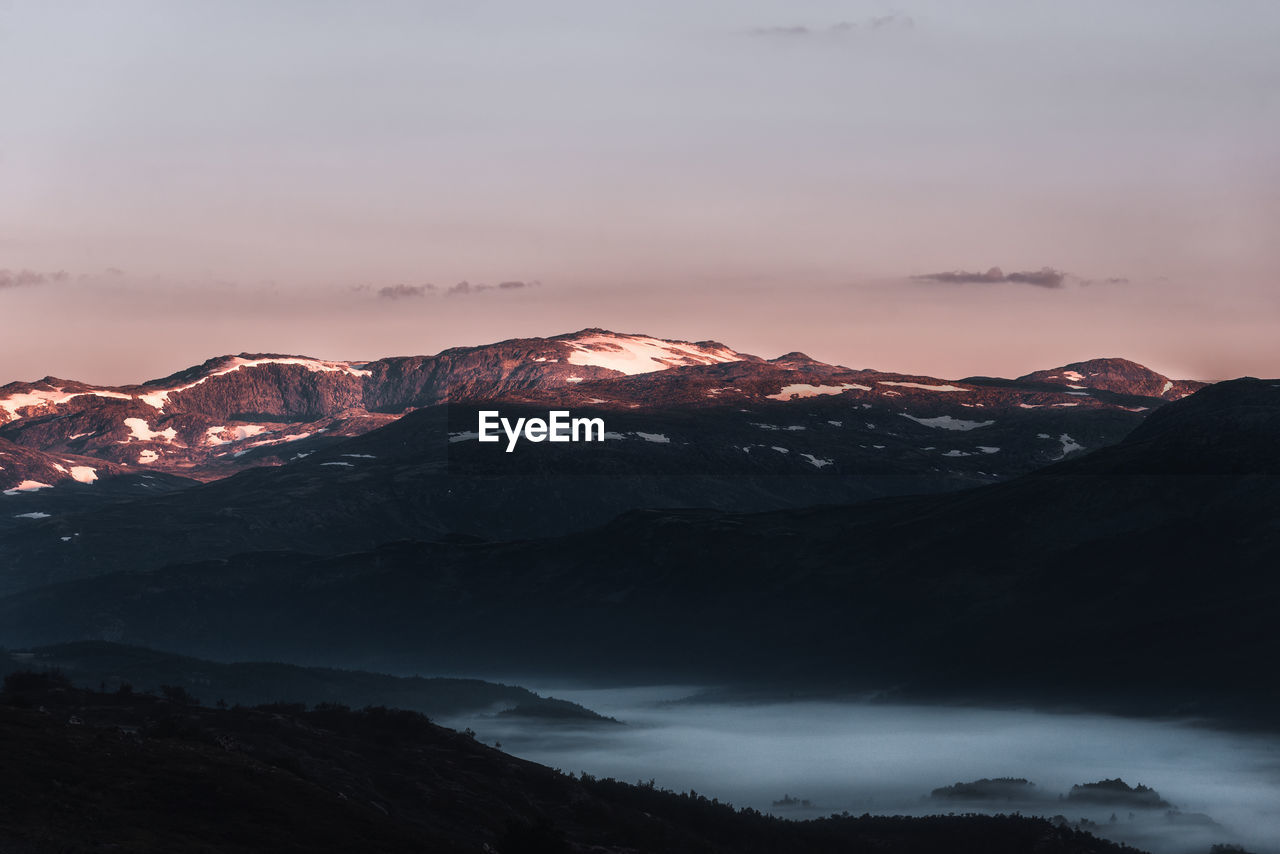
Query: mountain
x=388, y=450
x=125, y=771
x=198, y=420
x=236, y=412
x=425, y=476
x=1115, y=375
x=1136, y=577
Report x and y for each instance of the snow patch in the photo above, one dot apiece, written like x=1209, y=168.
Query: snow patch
x=946, y=422
x=28, y=486
x=35, y=515
x=640, y=354
x=84, y=474
x=1069, y=445
x=221, y=435
x=654, y=437
x=142, y=431
x=45, y=397
x=348, y=465
x=923, y=386
x=146, y=456
x=817, y=462
x=292, y=437
x=801, y=390
x=1073, y=375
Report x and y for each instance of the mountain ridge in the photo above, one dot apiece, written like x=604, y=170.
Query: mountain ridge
x=231, y=412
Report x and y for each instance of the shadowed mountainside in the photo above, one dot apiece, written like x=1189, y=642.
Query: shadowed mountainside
x=1136, y=578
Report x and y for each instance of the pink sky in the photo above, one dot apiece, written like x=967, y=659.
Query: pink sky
x=771, y=175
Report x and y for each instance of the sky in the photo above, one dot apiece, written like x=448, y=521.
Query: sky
x=180, y=180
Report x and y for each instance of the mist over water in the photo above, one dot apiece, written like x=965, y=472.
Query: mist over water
x=1223, y=787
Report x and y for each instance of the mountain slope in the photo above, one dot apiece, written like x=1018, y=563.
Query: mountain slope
x=424, y=476
x=235, y=412
x=1136, y=577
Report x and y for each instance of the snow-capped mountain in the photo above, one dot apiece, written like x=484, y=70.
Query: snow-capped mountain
x=234, y=412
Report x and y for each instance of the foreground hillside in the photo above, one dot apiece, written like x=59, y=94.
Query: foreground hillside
x=99, y=772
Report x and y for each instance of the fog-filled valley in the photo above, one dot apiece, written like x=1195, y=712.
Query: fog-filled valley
x=806, y=758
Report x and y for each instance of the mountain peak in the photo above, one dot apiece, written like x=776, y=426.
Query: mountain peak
x=794, y=357
x=1115, y=374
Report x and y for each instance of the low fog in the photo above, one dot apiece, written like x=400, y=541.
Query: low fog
x=837, y=756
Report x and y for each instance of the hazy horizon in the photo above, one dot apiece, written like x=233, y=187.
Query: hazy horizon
x=179, y=181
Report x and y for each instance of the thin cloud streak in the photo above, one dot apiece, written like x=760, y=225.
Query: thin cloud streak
x=841, y=28
x=402, y=291
x=28, y=278
x=1045, y=277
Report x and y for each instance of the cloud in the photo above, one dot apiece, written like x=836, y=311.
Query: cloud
x=462, y=288
x=401, y=291
x=22, y=278
x=1045, y=277
x=1113, y=280
x=781, y=31
x=875, y=22
x=512, y=285
x=895, y=20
